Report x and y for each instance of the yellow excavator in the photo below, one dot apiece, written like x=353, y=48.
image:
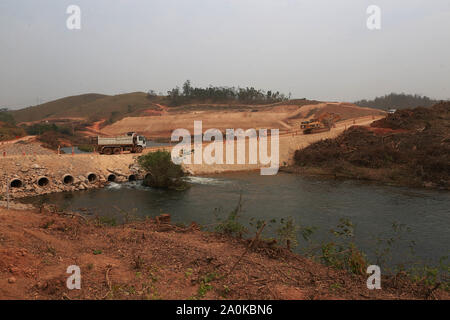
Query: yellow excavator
x=323, y=123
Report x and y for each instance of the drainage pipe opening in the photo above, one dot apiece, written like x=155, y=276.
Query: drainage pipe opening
x=92, y=177
x=68, y=179
x=43, y=182
x=16, y=183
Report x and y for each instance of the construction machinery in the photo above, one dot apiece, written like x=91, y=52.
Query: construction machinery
x=321, y=124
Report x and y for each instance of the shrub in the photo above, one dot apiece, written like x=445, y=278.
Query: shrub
x=161, y=171
x=86, y=148
x=287, y=233
x=231, y=225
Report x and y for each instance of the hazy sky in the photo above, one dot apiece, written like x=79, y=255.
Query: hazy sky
x=318, y=49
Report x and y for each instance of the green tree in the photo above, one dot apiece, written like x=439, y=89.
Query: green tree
x=187, y=88
x=161, y=172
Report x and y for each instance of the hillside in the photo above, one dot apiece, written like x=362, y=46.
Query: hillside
x=410, y=147
x=397, y=101
x=91, y=107
x=54, y=108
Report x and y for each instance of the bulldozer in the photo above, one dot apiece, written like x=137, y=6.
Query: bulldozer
x=323, y=123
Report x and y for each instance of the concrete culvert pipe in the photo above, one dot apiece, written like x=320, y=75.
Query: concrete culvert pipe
x=43, y=181
x=68, y=179
x=92, y=177
x=132, y=177
x=16, y=183
x=112, y=177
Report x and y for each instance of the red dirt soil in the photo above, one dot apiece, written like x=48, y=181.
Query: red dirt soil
x=156, y=260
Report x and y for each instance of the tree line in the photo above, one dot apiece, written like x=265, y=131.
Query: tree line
x=248, y=95
x=397, y=101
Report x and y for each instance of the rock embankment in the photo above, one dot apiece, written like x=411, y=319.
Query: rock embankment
x=25, y=176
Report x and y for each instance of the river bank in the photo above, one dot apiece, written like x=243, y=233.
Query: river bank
x=410, y=148
x=153, y=259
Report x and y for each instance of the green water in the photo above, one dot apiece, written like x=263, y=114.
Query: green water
x=311, y=202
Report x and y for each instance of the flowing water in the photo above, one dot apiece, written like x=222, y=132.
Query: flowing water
x=310, y=201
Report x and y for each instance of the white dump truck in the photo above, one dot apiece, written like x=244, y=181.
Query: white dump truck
x=131, y=142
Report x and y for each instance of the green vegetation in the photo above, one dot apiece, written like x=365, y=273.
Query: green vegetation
x=397, y=101
x=40, y=128
x=341, y=250
x=287, y=233
x=52, y=135
x=10, y=132
x=161, y=171
x=211, y=94
x=86, y=147
x=8, y=128
x=231, y=225
x=205, y=285
x=436, y=276
x=106, y=221
x=6, y=116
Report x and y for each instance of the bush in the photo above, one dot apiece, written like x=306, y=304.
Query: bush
x=86, y=148
x=10, y=132
x=161, y=171
x=231, y=225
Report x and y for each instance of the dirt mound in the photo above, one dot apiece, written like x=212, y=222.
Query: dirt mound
x=409, y=147
x=416, y=119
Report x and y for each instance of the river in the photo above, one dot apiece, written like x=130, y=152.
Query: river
x=310, y=201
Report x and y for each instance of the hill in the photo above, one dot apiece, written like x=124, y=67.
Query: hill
x=397, y=101
x=90, y=107
x=54, y=108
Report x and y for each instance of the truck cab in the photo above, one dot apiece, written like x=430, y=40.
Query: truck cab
x=138, y=140
x=141, y=141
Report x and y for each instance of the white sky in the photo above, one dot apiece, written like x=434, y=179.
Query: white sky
x=318, y=49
